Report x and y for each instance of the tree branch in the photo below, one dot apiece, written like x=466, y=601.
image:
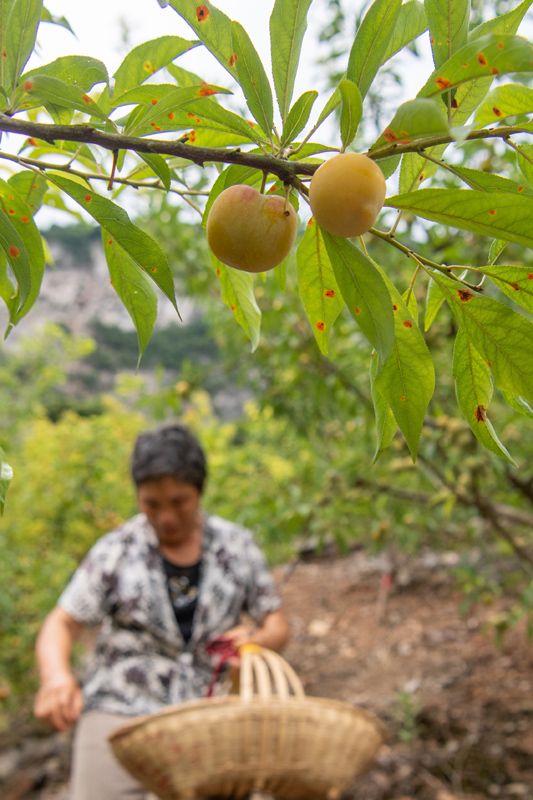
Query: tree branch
x=284, y=169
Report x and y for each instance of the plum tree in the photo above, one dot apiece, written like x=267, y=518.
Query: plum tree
x=249, y=230
x=347, y=193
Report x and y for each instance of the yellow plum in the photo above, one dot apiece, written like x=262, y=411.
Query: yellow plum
x=249, y=230
x=346, y=194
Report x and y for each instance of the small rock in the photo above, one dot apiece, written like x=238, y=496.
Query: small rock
x=318, y=627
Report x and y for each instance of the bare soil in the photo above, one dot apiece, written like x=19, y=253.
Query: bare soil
x=459, y=710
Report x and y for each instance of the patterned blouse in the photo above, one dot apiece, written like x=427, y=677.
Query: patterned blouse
x=141, y=661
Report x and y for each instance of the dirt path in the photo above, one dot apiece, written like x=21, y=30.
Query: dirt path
x=459, y=710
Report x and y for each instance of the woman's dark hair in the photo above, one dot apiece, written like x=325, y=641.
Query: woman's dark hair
x=169, y=450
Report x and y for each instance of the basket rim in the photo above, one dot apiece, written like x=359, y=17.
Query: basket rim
x=180, y=709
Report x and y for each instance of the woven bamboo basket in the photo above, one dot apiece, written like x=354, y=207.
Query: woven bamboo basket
x=269, y=737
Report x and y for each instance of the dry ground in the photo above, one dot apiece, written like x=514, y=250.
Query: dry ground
x=458, y=709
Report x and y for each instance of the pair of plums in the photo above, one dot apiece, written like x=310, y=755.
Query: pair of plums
x=254, y=232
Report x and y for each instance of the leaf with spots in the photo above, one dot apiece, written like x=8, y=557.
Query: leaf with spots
x=252, y=78
x=492, y=54
x=351, y=111
x=18, y=40
x=409, y=298
x=53, y=92
x=212, y=27
x=448, y=27
x=134, y=288
x=487, y=182
x=238, y=293
x=519, y=404
x=474, y=389
x=31, y=187
x=209, y=110
x=503, y=337
x=82, y=72
x=415, y=119
x=372, y=42
x=364, y=292
x=514, y=281
x=17, y=257
x=504, y=101
x=386, y=425
x=143, y=250
x=298, y=117
x=410, y=24
x=20, y=216
x=148, y=58
x=499, y=215
x=320, y=294
x=406, y=379
x=288, y=23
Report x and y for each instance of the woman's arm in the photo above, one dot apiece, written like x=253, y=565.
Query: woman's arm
x=272, y=634
x=59, y=701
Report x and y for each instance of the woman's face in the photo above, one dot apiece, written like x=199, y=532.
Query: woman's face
x=172, y=508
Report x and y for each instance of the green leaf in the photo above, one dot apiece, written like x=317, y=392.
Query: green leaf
x=288, y=23
x=524, y=160
x=495, y=250
x=133, y=287
x=14, y=248
x=372, y=42
x=409, y=298
x=504, y=101
x=448, y=27
x=504, y=23
x=502, y=216
x=473, y=387
x=415, y=119
x=410, y=24
x=519, y=404
x=31, y=187
x=516, y=282
x=386, y=425
x=414, y=170
x=80, y=71
x=406, y=380
x=487, y=182
x=320, y=294
x=46, y=16
x=53, y=91
x=434, y=300
x=364, y=292
x=212, y=27
x=183, y=77
x=252, y=78
x=9, y=294
x=493, y=54
x=144, y=251
x=238, y=294
x=501, y=336
x=19, y=39
x=351, y=111
x=212, y=111
x=6, y=476
x=298, y=117
x=148, y=58
x=20, y=216
x=159, y=166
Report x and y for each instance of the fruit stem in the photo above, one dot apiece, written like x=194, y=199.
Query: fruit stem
x=263, y=182
x=287, y=201
x=365, y=251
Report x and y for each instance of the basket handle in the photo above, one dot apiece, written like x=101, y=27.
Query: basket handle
x=269, y=672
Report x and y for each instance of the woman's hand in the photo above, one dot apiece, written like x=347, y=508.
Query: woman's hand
x=59, y=702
